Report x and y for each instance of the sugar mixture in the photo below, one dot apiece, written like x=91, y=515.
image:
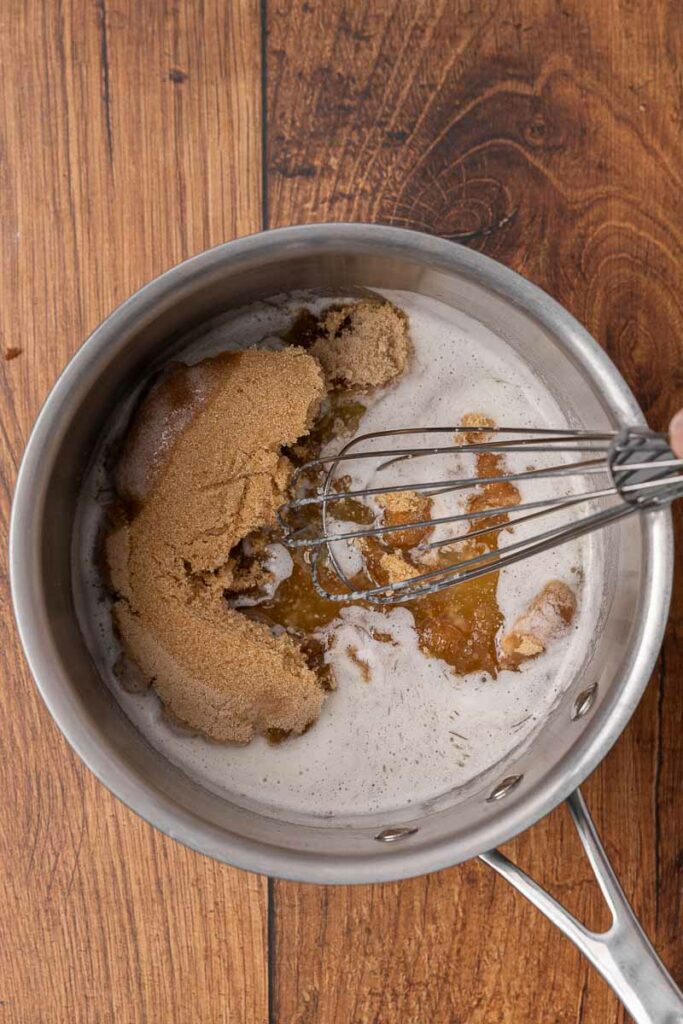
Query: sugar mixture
x=396, y=706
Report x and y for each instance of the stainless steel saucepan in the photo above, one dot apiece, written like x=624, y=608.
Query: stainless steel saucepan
x=337, y=259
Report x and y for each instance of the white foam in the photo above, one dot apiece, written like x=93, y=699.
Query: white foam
x=414, y=731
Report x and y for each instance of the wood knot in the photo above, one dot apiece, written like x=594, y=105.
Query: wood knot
x=540, y=132
x=478, y=209
x=463, y=211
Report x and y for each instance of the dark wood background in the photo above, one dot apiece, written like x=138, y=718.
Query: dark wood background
x=546, y=133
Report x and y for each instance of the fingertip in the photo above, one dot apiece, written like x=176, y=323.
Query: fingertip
x=676, y=434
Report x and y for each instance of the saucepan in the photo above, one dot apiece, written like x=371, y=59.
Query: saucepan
x=510, y=796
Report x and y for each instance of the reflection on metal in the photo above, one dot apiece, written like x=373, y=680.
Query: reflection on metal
x=504, y=787
x=392, y=835
x=584, y=702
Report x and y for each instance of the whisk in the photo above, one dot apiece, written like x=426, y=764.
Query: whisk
x=606, y=477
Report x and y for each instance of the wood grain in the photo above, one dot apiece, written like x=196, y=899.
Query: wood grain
x=130, y=139
x=548, y=135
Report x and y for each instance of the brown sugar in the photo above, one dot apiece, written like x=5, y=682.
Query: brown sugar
x=547, y=618
x=363, y=344
x=400, y=508
x=474, y=419
x=395, y=568
x=201, y=470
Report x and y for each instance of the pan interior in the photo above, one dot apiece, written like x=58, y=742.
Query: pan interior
x=56, y=606
x=417, y=738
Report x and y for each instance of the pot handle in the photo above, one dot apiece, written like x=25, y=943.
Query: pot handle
x=623, y=954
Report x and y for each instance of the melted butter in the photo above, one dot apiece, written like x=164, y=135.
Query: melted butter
x=458, y=624
x=296, y=604
x=352, y=511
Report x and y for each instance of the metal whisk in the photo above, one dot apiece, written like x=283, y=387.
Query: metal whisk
x=612, y=475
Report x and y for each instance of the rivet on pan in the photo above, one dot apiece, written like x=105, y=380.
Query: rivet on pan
x=584, y=702
x=504, y=787
x=392, y=835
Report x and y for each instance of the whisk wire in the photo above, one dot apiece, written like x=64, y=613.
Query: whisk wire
x=638, y=468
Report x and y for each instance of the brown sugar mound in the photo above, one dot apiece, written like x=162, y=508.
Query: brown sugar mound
x=548, y=616
x=201, y=469
x=363, y=344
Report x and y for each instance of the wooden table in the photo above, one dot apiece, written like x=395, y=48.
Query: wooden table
x=546, y=133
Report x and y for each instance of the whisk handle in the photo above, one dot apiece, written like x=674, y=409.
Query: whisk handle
x=623, y=954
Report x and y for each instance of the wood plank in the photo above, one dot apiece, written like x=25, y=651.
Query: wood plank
x=548, y=135
x=130, y=140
